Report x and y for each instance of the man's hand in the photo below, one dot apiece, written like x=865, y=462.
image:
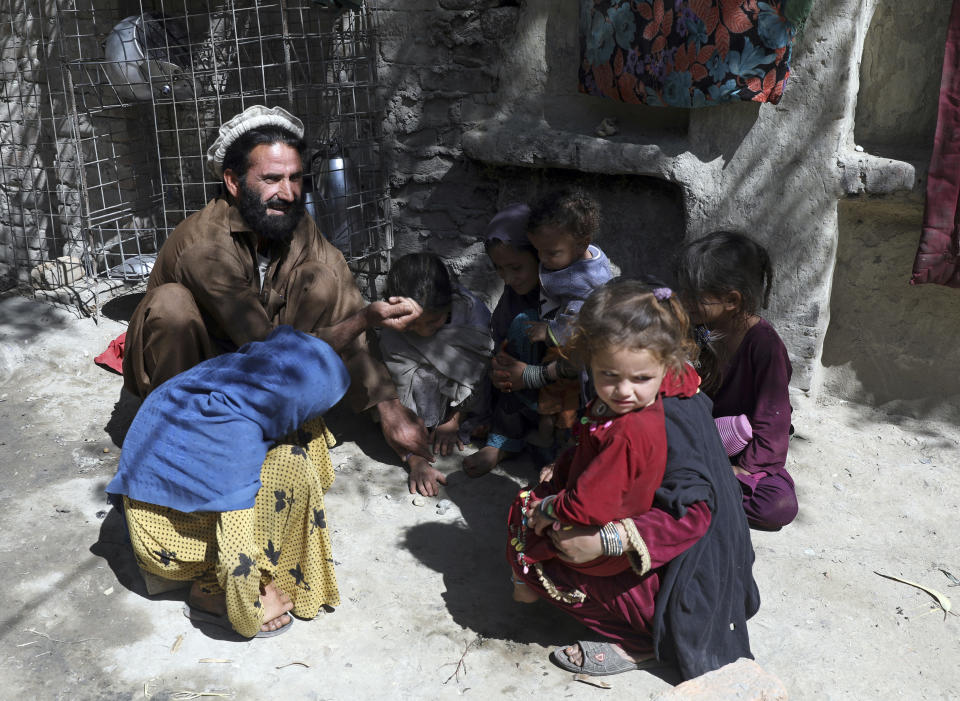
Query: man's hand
x=506, y=371
x=446, y=437
x=403, y=430
x=396, y=313
x=537, y=331
x=424, y=477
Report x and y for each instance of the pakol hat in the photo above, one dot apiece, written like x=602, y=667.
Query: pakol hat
x=253, y=117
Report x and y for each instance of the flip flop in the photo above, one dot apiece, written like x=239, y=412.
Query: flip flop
x=201, y=616
x=599, y=660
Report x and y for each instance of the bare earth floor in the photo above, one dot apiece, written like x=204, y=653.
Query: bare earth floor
x=423, y=591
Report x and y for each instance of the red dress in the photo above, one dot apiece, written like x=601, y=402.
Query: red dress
x=611, y=474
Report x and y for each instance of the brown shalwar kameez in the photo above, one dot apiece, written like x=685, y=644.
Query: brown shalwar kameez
x=204, y=297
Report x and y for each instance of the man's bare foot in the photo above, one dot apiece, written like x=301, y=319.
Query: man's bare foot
x=207, y=601
x=275, y=605
x=484, y=460
x=575, y=654
x=523, y=593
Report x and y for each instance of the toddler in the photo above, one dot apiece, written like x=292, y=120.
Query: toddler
x=562, y=226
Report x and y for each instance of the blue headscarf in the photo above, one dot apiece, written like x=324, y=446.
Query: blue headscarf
x=199, y=439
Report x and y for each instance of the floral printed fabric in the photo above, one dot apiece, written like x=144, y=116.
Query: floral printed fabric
x=686, y=53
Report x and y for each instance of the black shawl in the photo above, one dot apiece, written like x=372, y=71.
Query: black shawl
x=707, y=593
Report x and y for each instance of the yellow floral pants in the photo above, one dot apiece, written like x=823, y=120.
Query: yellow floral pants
x=283, y=538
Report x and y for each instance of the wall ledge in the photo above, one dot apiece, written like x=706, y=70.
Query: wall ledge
x=532, y=143
x=863, y=173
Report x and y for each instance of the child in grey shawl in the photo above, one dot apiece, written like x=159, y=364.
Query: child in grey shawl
x=439, y=363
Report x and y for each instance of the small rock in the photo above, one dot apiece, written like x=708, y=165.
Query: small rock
x=443, y=506
x=858, y=148
x=100, y=514
x=108, y=591
x=106, y=450
x=926, y=461
x=419, y=500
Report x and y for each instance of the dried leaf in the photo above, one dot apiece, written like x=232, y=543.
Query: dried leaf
x=591, y=680
x=942, y=601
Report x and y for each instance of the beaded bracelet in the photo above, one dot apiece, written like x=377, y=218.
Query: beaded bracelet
x=534, y=376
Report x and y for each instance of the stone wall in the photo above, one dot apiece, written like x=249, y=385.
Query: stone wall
x=484, y=110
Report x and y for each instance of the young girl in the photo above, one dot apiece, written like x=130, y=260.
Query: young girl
x=635, y=341
x=562, y=227
x=514, y=410
x=439, y=363
x=725, y=280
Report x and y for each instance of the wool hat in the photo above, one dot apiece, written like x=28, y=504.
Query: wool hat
x=253, y=117
x=509, y=225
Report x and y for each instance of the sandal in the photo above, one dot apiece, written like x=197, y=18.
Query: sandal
x=201, y=616
x=599, y=660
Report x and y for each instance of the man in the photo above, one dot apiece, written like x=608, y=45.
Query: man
x=251, y=260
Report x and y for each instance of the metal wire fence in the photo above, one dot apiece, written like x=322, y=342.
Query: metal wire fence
x=103, y=137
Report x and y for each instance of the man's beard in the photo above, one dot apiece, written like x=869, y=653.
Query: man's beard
x=275, y=227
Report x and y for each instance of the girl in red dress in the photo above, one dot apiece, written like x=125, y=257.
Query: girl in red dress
x=634, y=339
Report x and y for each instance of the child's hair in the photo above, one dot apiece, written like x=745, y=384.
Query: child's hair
x=571, y=210
x=635, y=315
x=724, y=262
x=423, y=278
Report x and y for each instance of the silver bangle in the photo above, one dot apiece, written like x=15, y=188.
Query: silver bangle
x=534, y=376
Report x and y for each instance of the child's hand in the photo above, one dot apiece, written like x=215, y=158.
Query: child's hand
x=396, y=313
x=446, y=437
x=506, y=371
x=546, y=472
x=424, y=478
x=537, y=331
x=537, y=520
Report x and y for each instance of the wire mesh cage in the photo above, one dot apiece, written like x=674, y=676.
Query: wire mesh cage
x=131, y=99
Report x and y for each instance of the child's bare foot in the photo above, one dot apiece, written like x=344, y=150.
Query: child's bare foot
x=484, y=460
x=275, y=605
x=523, y=593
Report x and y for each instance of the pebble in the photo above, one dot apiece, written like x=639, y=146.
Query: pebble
x=443, y=506
x=106, y=450
x=419, y=500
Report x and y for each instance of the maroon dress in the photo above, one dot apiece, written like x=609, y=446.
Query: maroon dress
x=611, y=474
x=756, y=382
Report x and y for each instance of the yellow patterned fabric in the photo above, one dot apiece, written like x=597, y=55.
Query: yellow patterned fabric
x=283, y=538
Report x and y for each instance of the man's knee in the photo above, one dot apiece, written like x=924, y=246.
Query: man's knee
x=170, y=307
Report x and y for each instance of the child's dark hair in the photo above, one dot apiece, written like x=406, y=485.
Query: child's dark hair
x=724, y=262
x=571, y=210
x=423, y=278
x=635, y=315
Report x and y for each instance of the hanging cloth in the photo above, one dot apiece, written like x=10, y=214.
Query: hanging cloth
x=936, y=259
x=687, y=53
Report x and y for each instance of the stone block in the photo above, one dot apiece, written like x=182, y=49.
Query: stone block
x=52, y=274
x=743, y=680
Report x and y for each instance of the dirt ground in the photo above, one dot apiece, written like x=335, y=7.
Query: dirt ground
x=423, y=591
